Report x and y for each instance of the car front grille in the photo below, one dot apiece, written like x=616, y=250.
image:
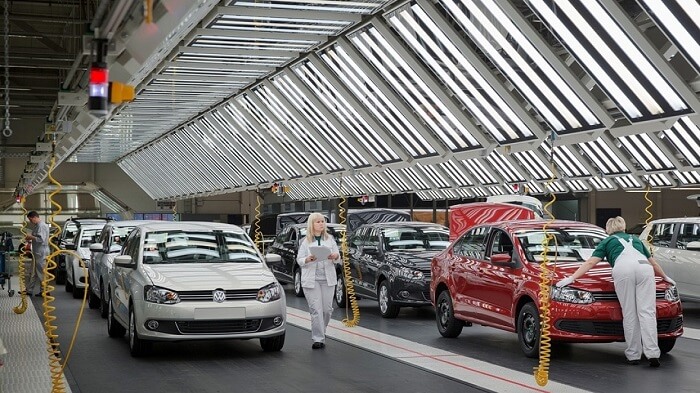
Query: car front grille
x=219, y=327
x=612, y=296
x=238, y=294
x=613, y=328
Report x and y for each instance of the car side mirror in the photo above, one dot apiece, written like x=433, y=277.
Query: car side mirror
x=370, y=250
x=273, y=259
x=124, y=261
x=693, y=246
x=501, y=259
x=96, y=247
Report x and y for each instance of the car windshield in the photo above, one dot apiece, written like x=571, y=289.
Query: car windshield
x=89, y=236
x=415, y=239
x=565, y=245
x=179, y=246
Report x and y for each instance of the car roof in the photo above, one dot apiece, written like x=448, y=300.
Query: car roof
x=403, y=224
x=538, y=224
x=127, y=223
x=91, y=226
x=695, y=220
x=189, y=226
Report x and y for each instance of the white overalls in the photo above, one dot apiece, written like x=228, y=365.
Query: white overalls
x=636, y=290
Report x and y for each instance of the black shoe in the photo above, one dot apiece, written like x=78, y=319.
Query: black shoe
x=654, y=362
x=633, y=362
x=317, y=345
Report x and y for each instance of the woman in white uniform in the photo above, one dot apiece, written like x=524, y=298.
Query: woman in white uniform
x=635, y=286
x=318, y=253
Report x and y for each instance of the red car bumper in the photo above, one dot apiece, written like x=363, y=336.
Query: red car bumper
x=601, y=321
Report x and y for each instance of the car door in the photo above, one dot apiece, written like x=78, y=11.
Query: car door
x=370, y=262
x=121, y=279
x=355, y=255
x=468, y=253
x=687, y=260
x=287, y=251
x=662, y=248
x=495, y=289
x=96, y=266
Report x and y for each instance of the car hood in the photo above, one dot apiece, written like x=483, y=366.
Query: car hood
x=598, y=279
x=415, y=259
x=206, y=276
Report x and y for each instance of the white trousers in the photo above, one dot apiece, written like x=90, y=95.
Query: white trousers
x=37, y=275
x=636, y=289
x=320, y=299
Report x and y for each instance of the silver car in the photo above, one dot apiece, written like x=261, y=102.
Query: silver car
x=108, y=246
x=178, y=281
x=675, y=243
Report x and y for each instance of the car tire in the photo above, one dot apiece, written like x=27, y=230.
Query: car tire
x=272, y=344
x=114, y=328
x=298, y=289
x=103, y=303
x=529, y=330
x=666, y=344
x=93, y=300
x=386, y=307
x=137, y=346
x=447, y=324
x=340, y=295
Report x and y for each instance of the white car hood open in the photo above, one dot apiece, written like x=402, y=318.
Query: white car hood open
x=207, y=276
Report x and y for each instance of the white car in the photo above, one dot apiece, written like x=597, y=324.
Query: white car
x=180, y=281
x=76, y=267
x=108, y=246
x=675, y=243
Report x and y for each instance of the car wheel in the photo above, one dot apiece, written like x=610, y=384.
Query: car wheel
x=386, y=306
x=103, y=302
x=93, y=300
x=447, y=324
x=114, y=329
x=340, y=293
x=298, y=289
x=272, y=344
x=137, y=346
x=666, y=344
x=529, y=330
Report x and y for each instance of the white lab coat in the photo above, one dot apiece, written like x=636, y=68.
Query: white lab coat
x=308, y=270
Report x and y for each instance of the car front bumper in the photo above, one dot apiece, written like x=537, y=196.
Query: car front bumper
x=208, y=320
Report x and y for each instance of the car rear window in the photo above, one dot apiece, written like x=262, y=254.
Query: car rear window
x=198, y=247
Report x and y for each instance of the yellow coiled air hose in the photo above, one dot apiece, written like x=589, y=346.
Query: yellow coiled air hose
x=256, y=225
x=50, y=329
x=22, y=306
x=542, y=370
x=174, y=210
x=350, y=298
x=650, y=217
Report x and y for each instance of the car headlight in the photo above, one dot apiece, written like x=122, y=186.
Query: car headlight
x=407, y=273
x=154, y=294
x=571, y=295
x=269, y=293
x=671, y=294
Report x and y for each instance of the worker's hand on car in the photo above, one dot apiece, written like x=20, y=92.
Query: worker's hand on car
x=669, y=280
x=567, y=281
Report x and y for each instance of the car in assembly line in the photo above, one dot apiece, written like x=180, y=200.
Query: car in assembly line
x=78, y=258
x=103, y=252
x=390, y=263
x=675, y=243
x=177, y=281
x=491, y=276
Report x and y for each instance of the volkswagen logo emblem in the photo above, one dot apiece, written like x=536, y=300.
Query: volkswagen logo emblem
x=219, y=295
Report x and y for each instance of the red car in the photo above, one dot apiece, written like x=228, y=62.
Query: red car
x=490, y=276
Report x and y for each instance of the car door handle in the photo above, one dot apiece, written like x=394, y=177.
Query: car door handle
x=673, y=257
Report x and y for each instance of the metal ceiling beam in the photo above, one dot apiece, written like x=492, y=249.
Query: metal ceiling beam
x=24, y=26
x=267, y=13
